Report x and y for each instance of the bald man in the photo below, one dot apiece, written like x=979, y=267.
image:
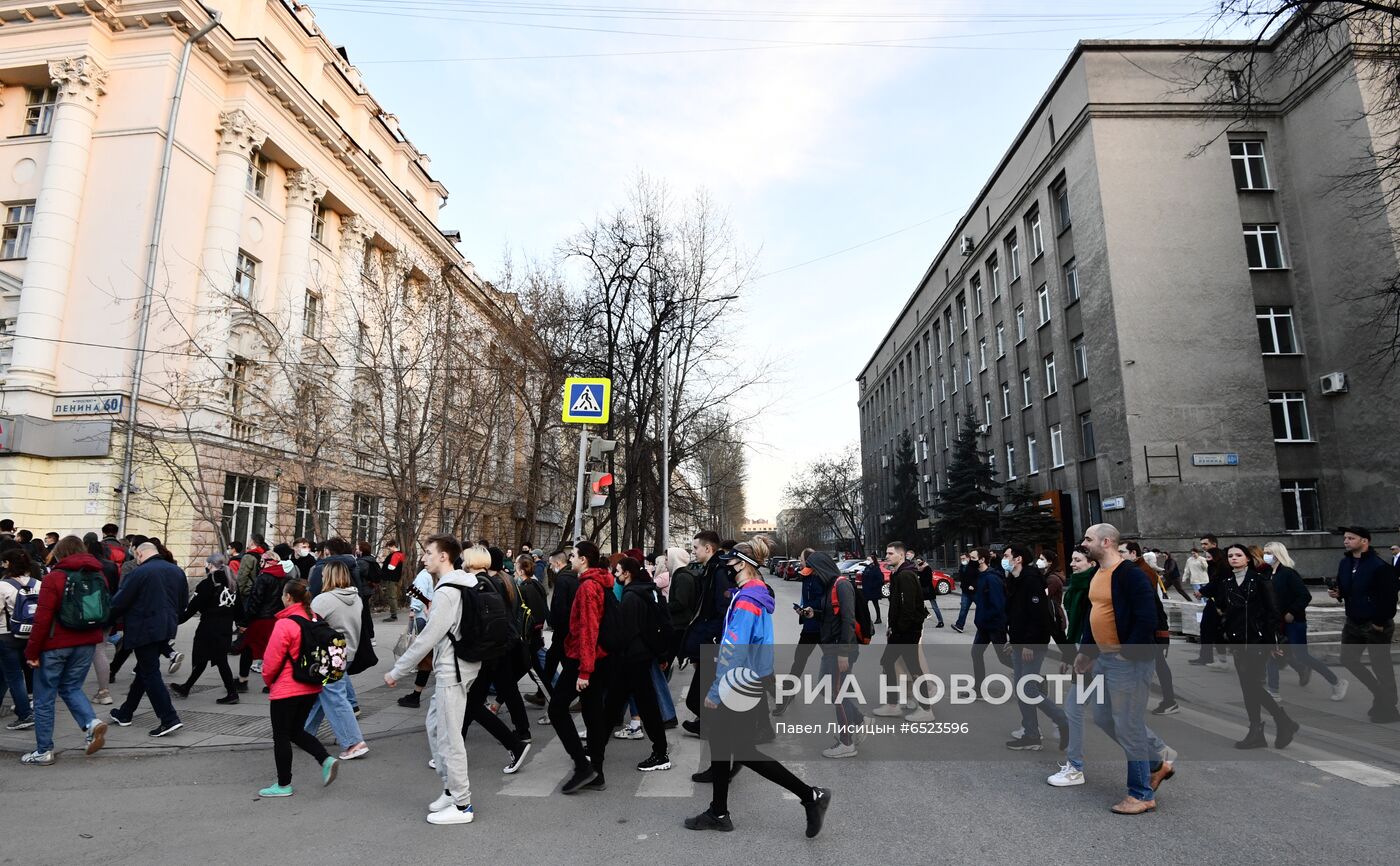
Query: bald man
x=149, y=601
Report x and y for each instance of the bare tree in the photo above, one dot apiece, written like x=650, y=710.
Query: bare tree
x=831, y=489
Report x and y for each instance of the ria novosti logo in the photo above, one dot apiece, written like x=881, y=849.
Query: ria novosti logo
x=740, y=689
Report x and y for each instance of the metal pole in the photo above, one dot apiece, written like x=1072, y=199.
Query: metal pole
x=582, y=474
x=153, y=252
x=666, y=455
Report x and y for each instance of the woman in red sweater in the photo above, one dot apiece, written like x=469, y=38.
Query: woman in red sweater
x=291, y=701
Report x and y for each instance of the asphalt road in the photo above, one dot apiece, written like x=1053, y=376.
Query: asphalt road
x=200, y=804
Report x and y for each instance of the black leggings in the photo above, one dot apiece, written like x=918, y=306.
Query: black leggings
x=288, y=727
x=1164, y=675
x=477, y=711
x=1250, y=662
x=807, y=642
x=634, y=680
x=220, y=663
x=721, y=769
x=595, y=717
x=505, y=677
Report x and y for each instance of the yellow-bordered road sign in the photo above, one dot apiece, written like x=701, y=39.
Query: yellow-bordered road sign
x=586, y=401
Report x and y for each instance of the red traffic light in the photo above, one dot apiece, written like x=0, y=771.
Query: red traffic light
x=601, y=482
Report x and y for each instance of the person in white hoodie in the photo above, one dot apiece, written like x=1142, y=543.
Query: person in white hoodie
x=339, y=604
x=454, y=676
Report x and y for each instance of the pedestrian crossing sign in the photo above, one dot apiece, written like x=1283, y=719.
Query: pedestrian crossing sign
x=586, y=401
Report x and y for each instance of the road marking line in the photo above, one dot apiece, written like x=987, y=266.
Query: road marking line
x=1361, y=773
x=675, y=782
x=541, y=774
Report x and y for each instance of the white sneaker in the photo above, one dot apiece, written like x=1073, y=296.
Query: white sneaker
x=441, y=802
x=1018, y=733
x=359, y=750
x=1067, y=777
x=629, y=732
x=888, y=711
x=37, y=758
x=1339, y=691
x=1219, y=665
x=544, y=722
x=840, y=750
x=432, y=763
x=256, y=667
x=924, y=715
x=452, y=815
x=1273, y=693
x=176, y=659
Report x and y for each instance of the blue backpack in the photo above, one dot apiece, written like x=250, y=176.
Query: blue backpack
x=26, y=604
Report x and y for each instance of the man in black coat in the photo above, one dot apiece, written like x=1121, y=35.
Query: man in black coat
x=1029, y=626
x=560, y=603
x=149, y=603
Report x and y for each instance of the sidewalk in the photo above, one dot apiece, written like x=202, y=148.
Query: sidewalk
x=210, y=725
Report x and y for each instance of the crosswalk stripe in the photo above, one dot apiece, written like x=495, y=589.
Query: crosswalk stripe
x=1356, y=771
x=541, y=774
x=675, y=782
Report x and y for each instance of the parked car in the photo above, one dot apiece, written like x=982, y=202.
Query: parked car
x=792, y=570
x=942, y=583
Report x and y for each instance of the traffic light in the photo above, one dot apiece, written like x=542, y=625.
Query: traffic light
x=599, y=448
x=599, y=488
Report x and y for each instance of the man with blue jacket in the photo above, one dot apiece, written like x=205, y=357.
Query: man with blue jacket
x=990, y=615
x=1119, y=645
x=149, y=602
x=810, y=634
x=1366, y=584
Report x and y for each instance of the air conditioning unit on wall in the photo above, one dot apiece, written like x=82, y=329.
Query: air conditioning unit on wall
x=1334, y=383
x=968, y=245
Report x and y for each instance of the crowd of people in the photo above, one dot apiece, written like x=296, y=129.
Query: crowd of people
x=300, y=616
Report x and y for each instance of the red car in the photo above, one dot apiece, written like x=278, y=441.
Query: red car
x=942, y=583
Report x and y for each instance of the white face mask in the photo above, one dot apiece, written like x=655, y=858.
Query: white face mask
x=1006, y=565
x=1042, y=564
x=963, y=560
x=1269, y=558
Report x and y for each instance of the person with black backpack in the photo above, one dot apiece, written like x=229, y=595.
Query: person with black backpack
x=215, y=601
x=586, y=670
x=646, y=630
x=73, y=610
x=505, y=673
x=290, y=697
x=19, y=600
x=456, y=634
x=534, y=609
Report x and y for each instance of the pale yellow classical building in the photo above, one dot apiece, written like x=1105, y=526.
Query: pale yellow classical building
x=292, y=198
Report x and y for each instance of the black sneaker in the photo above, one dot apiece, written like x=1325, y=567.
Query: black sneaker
x=940, y=625
x=242, y=686
x=27, y=723
x=957, y=628
x=816, y=811
x=537, y=699
x=1199, y=662
x=691, y=726
x=670, y=723
x=1025, y=744
x=179, y=690
x=780, y=707
x=517, y=757
x=575, y=783
x=167, y=729
x=1304, y=676
x=1166, y=708
x=391, y=618
x=118, y=720
x=356, y=711
x=597, y=783
x=523, y=736
x=655, y=762
x=230, y=698
x=708, y=820
x=410, y=700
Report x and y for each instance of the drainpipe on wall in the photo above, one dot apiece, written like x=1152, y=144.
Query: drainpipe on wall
x=152, y=254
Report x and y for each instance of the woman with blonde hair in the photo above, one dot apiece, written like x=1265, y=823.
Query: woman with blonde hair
x=1293, y=600
x=339, y=604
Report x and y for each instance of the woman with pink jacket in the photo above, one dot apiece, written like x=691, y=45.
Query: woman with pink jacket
x=291, y=701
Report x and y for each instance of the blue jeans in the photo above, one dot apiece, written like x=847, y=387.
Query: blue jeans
x=663, y=696
x=1020, y=669
x=847, y=711
x=61, y=674
x=1295, y=652
x=1122, y=715
x=336, y=704
x=963, y=607
x=12, y=677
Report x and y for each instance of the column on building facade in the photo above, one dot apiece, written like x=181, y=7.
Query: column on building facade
x=345, y=309
x=48, y=269
x=294, y=267
x=239, y=136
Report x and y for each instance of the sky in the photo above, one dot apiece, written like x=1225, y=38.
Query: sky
x=843, y=137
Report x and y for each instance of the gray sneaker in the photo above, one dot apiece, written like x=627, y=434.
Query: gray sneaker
x=37, y=759
x=23, y=724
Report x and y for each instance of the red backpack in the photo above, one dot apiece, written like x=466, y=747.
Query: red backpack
x=864, y=627
x=116, y=552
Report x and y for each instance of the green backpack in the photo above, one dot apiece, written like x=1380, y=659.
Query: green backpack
x=86, y=603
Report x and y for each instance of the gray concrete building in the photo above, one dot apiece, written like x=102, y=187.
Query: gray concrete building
x=1150, y=310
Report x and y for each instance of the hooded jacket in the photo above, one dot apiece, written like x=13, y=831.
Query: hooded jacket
x=283, y=645
x=357, y=573
x=747, y=638
x=907, y=611
x=150, y=602
x=444, y=623
x=585, y=617
x=715, y=589
x=561, y=603
x=48, y=632
x=990, y=598
x=645, y=621
x=342, y=608
x=265, y=598
x=205, y=602
x=836, y=628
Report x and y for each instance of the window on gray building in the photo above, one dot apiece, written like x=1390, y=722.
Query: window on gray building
x=1071, y=275
x=987, y=408
x=1001, y=340
x=1010, y=462
x=1086, y=436
x=1042, y=299
x=1032, y=454
x=942, y=387
x=1052, y=383
x=1276, y=334
x=994, y=276
x=1301, y=511
x=937, y=338
x=1037, y=237
x=976, y=284
x=39, y=106
x=967, y=369
x=1057, y=446
x=1290, y=415
x=962, y=310
x=1026, y=388
x=1081, y=358
x=1005, y=400
x=1263, y=247
x=1013, y=257
x=982, y=353
x=1248, y=160
x=19, y=222
x=1059, y=197
x=1093, y=508
x=1020, y=323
